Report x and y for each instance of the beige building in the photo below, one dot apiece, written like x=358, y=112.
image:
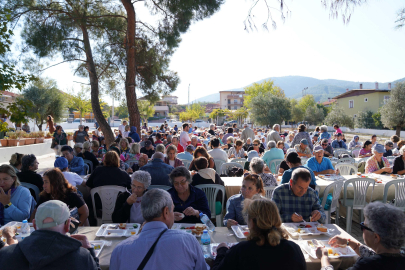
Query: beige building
x=358, y=100
x=231, y=99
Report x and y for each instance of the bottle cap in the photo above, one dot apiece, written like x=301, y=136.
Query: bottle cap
x=205, y=231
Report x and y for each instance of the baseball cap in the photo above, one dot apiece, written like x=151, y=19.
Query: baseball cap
x=389, y=143
x=304, y=141
x=148, y=143
x=190, y=147
x=379, y=148
x=252, y=154
x=318, y=148
x=55, y=209
x=79, y=145
x=61, y=163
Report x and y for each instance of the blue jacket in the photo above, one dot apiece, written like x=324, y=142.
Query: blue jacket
x=159, y=171
x=21, y=205
x=77, y=165
x=335, y=144
x=134, y=135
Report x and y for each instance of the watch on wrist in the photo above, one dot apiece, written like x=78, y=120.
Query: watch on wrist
x=7, y=205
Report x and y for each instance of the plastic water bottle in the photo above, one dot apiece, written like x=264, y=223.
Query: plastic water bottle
x=25, y=229
x=205, y=238
x=207, y=221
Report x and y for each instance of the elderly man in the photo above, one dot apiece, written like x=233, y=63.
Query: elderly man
x=339, y=143
x=80, y=136
x=212, y=130
x=296, y=201
x=48, y=247
x=217, y=153
x=303, y=149
x=274, y=135
x=272, y=153
x=176, y=142
x=388, y=148
x=158, y=170
x=184, y=137
x=327, y=148
x=247, y=133
x=154, y=247
x=76, y=164
x=148, y=149
x=319, y=164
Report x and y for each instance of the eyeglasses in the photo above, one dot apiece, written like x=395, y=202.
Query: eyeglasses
x=181, y=183
x=364, y=227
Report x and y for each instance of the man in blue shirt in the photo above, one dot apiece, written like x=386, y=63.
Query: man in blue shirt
x=319, y=164
x=175, y=249
x=76, y=164
x=296, y=201
x=339, y=143
x=158, y=170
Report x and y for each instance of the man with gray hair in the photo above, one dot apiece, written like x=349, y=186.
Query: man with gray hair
x=274, y=135
x=296, y=201
x=247, y=133
x=158, y=170
x=48, y=247
x=157, y=247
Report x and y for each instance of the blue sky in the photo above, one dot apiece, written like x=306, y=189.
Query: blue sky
x=218, y=54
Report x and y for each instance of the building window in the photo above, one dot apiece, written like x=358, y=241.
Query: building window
x=386, y=98
x=365, y=99
x=351, y=104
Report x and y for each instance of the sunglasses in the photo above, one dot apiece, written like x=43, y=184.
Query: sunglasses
x=364, y=227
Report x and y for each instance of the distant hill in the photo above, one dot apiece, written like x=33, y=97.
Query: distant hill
x=320, y=89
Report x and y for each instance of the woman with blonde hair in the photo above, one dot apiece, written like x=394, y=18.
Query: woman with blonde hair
x=266, y=244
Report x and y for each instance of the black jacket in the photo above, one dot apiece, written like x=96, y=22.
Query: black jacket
x=48, y=250
x=398, y=165
x=122, y=209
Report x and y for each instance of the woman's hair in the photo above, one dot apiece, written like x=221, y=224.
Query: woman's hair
x=60, y=187
x=201, y=150
x=366, y=143
x=201, y=163
x=171, y=148
x=336, y=126
x=256, y=180
x=256, y=165
x=178, y=172
x=27, y=161
x=86, y=146
x=257, y=141
x=10, y=171
x=124, y=140
x=401, y=143
x=16, y=159
x=266, y=221
x=388, y=222
x=135, y=149
x=95, y=143
x=160, y=148
x=394, y=138
x=301, y=128
x=142, y=177
x=111, y=159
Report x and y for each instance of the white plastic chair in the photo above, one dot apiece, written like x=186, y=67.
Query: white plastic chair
x=226, y=166
x=399, y=193
x=346, y=169
x=334, y=206
x=348, y=160
x=186, y=163
x=211, y=191
x=239, y=160
x=338, y=151
x=159, y=186
x=276, y=163
x=218, y=165
x=108, y=196
x=360, y=187
x=269, y=191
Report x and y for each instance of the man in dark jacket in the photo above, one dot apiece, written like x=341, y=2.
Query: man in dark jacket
x=48, y=247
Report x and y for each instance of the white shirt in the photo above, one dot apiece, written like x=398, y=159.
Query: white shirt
x=218, y=154
x=121, y=128
x=184, y=139
x=73, y=178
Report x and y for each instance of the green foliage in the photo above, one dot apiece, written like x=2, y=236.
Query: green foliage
x=338, y=116
x=393, y=111
x=261, y=89
x=314, y=115
x=270, y=109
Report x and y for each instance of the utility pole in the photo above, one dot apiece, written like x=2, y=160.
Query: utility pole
x=188, y=96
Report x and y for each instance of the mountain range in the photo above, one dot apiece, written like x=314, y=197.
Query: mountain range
x=320, y=89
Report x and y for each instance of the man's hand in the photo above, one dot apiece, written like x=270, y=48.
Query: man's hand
x=315, y=215
x=296, y=218
x=83, y=239
x=190, y=211
x=231, y=223
x=132, y=199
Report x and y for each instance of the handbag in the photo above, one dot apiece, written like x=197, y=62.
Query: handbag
x=150, y=252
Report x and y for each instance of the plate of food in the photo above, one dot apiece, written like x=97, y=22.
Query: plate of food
x=98, y=246
x=241, y=231
x=194, y=229
x=310, y=247
x=306, y=228
x=215, y=245
x=118, y=230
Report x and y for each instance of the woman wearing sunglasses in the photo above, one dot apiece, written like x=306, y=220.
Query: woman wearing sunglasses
x=252, y=184
x=384, y=235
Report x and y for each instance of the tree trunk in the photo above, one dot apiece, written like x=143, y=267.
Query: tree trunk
x=398, y=131
x=95, y=103
x=134, y=117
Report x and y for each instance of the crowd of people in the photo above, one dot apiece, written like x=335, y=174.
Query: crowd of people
x=157, y=156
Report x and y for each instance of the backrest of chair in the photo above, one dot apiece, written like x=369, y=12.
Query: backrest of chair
x=346, y=169
x=337, y=188
x=90, y=164
x=346, y=160
x=159, y=186
x=33, y=187
x=276, y=163
x=218, y=165
x=356, y=152
x=108, y=196
x=399, y=192
x=360, y=187
x=186, y=163
x=239, y=160
x=269, y=191
x=226, y=166
x=211, y=191
x=338, y=151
